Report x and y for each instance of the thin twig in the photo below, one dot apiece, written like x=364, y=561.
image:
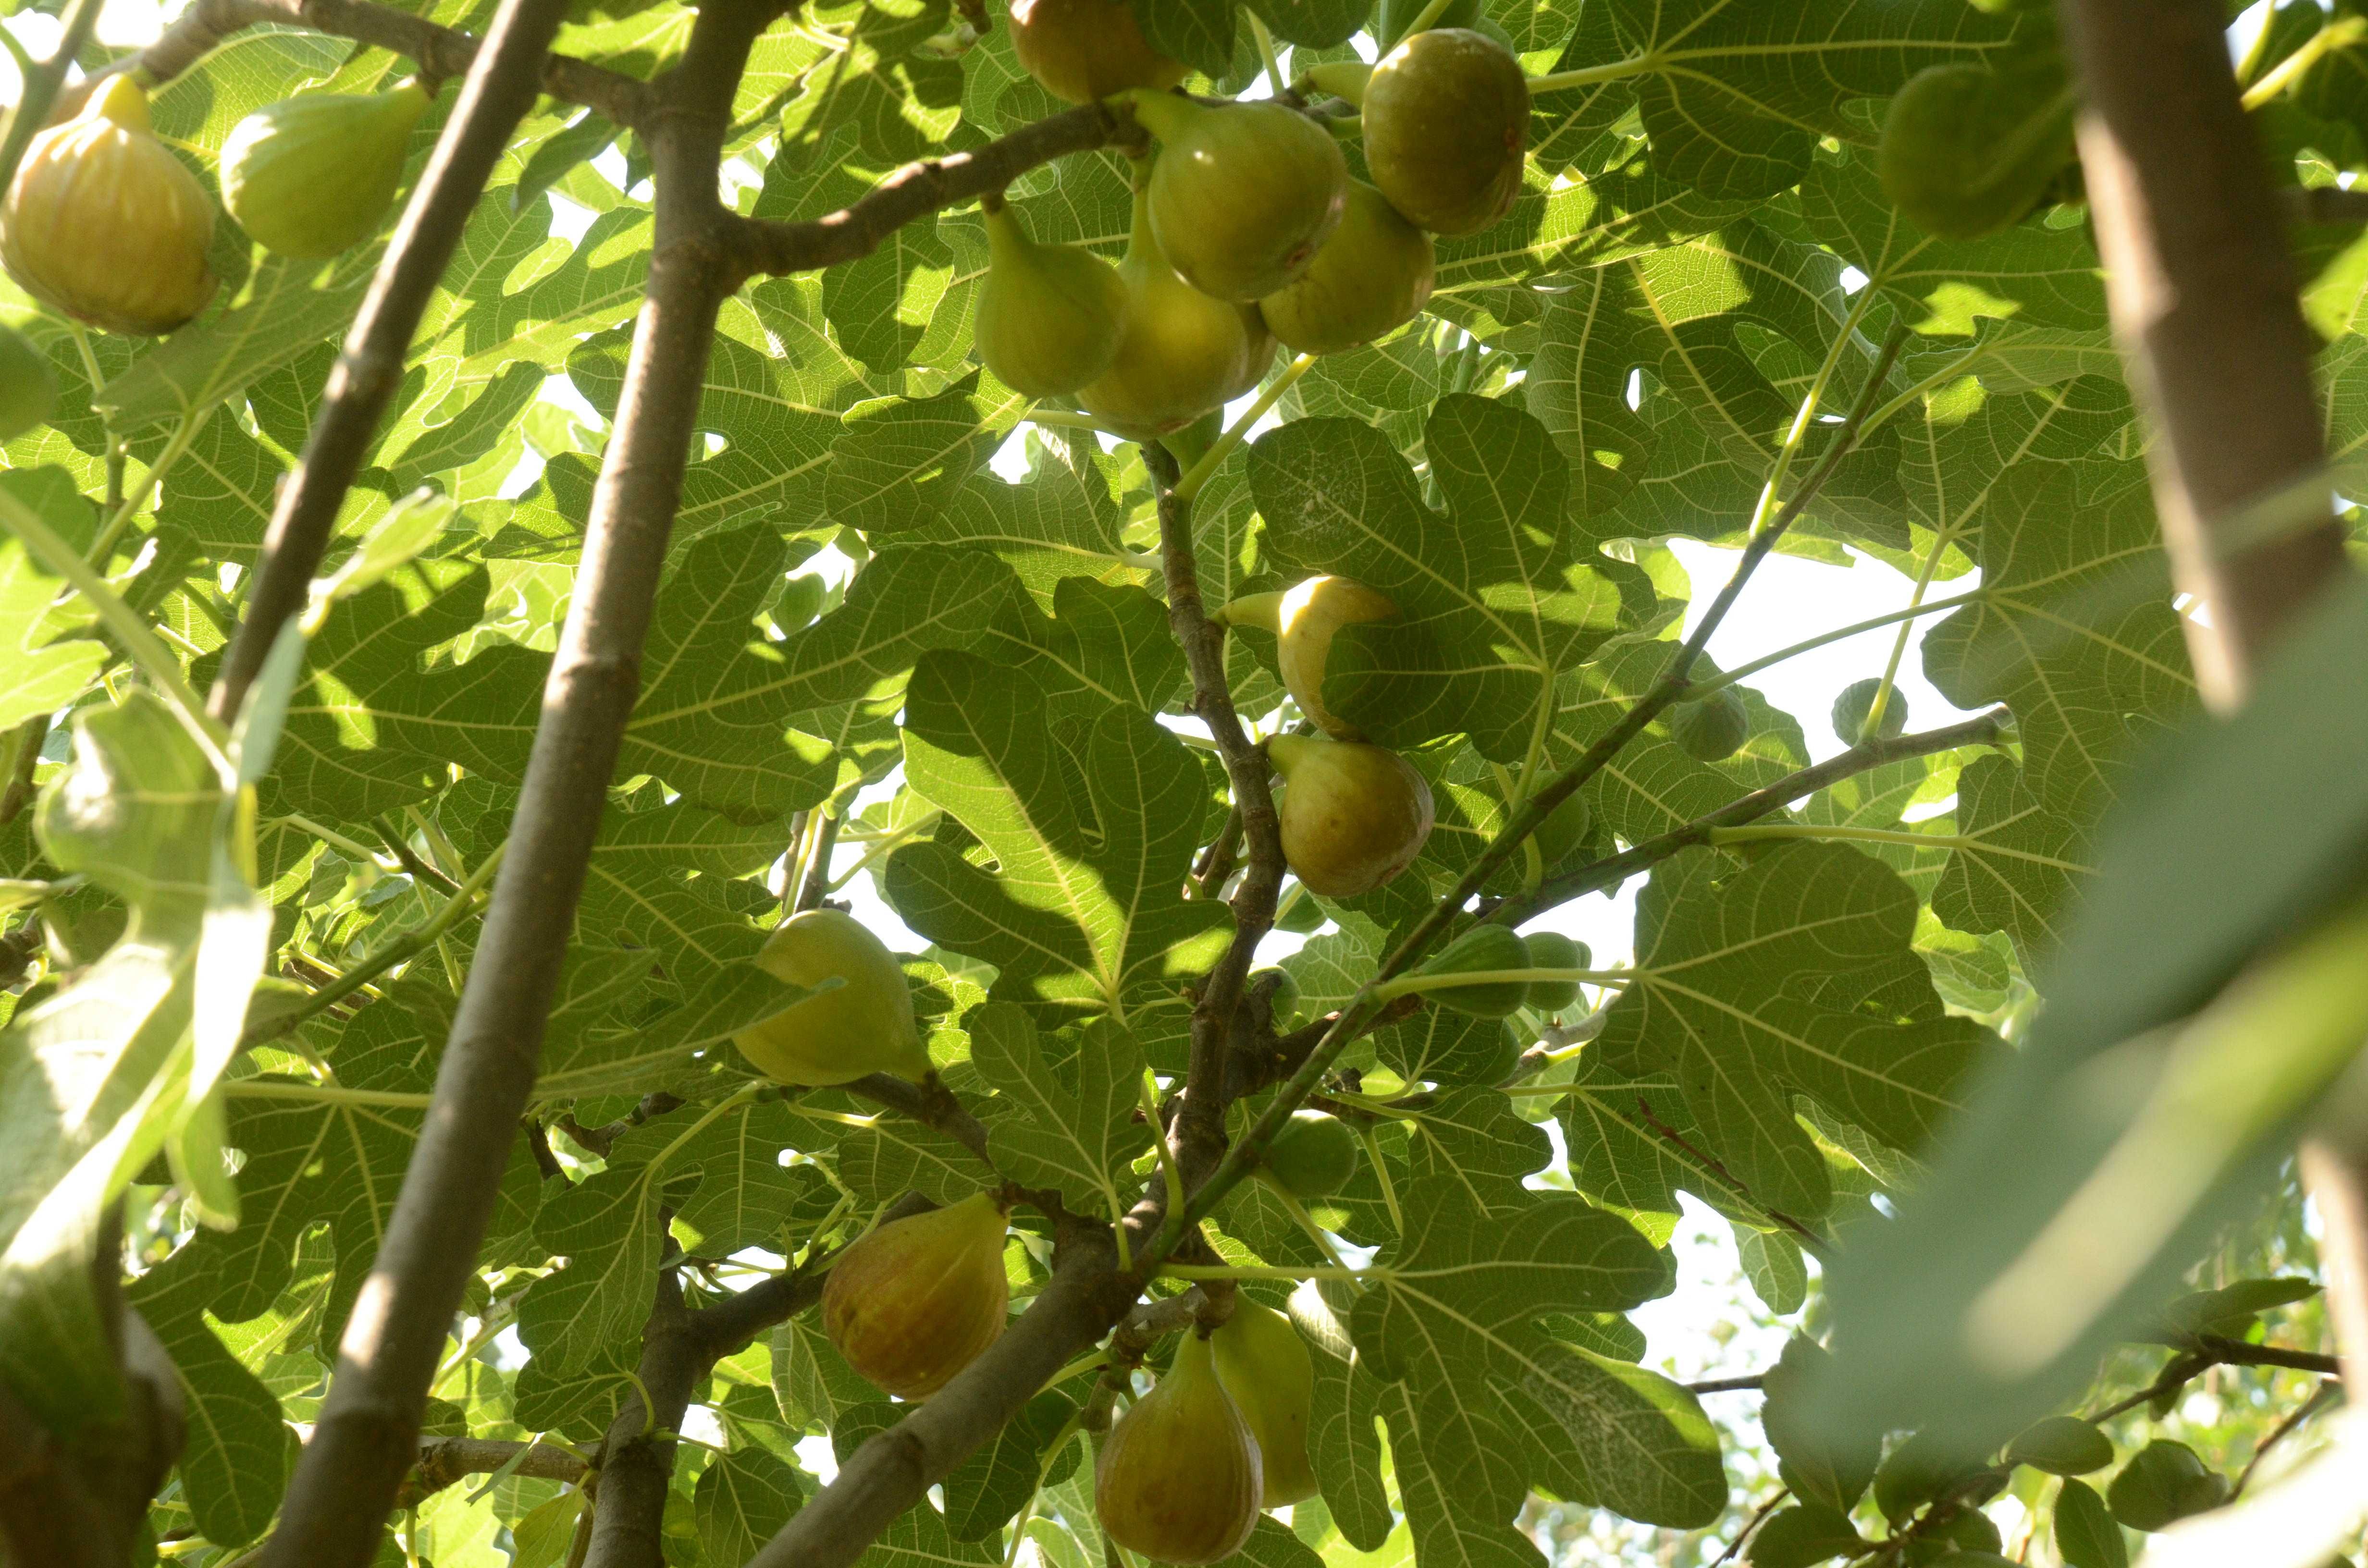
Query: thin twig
x=1759, y=1517
x=2320, y=1398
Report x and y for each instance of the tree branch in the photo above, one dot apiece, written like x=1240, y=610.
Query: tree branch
x=499, y=91
x=931, y=1104
x=444, y=1461
x=366, y=1436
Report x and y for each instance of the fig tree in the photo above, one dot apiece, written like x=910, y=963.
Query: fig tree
x=1314, y=1153
x=103, y=224
x=313, y=174
x=1857, y=700
x=1551, y=950
x=28, y=391
x=862, y=1026
x=1368, y=279
x=1353, y=815
x=1480, y=949
x=1265, y=1366
x=1446, y=122
x=1179, y=353
x=1304, y=620
x=1179, y=1476
x=1243, y=195
x=1049, y=316
x=1712, y=728
x=1085, y=50
x=915, y=1302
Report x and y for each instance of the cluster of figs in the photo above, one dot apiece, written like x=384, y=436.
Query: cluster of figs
x=105, y=225
x=1247, y=229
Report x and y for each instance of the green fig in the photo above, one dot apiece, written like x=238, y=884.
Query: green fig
x=1551, y=950
x=1179, y=1476
x=1369, y=279
x=1967, y=151
x=1353, y=815
x=862, y=1026
x=1857, y=700
x=1243, y=195
x=1265, y=1366
x=1712, y=728
x=1049, y=316
x=914, y=1301
x=1304, y=620
x=1314, y=1153
x=1446, y=123
x=103, y=224
x=1086, y=50
x=311, y=176
x=1180, y=352
x=28, y=391
x=1482, y=949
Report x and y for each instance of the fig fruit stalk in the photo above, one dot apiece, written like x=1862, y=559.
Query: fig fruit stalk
x=313, y=176
x=915, y=1302
x=862, y=1026
x=1180, y=1478
x=103, y=224
x=1446, y=122
x=1353, y=815
x=1243, y=195
x=1049, y=316
x=1265, y=1366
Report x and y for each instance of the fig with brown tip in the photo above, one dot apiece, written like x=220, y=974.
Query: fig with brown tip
x=1180, y=1478
x=915, y=1302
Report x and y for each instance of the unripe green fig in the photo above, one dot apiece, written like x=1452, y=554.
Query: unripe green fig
x=1265, y=1366
x=1313, y=1154
x=1243, y=195
x=862, y=1026
x=1049, y=316
x=1353, y=815
x=1179, y=1476
x=1712, y=728
x=1966, y=151
x=103, y=224
x=1565, y=829
x=1086, y=50
x=1551, y=950
x=1369, y=279
x=1482, y=949
x=1180, y=354
x=1857, y=701
x=1304, y=620
x=1446, y=123
x=915, y=1302
x=311, y=176
x=28, y=391
x=1282, y=1000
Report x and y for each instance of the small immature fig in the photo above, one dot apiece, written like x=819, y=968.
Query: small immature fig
x=1049, y=316
x=1085, y=50
x=1551, y=950
x=1480, y=949
x=313, y=174
x=27, y=389
x=1179, y=1477
x=1265, y=1366
x=1180, y=352
x=1857, y=700
x=1313, y=1154
x=1243, y=195
x=1353, y=815
x=863, y=1025
x=1368, y=279
x=105, y=225
x=916, y=1301
x=1712, y=728
x=1967, y=152
x=1446, y=122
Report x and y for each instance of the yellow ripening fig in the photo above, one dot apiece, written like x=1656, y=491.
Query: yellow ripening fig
x=1243, y=195
x=1307, y=617
x=1353, y=815
x=915, y=1302
x=1368, y=279
x=1180, y=353
x=1049, y=316
x=1446, y=124
x=1180, y=1478
x=864, y=1026
x=103, y=224
x=1265, y=1366
x=313, y=174
x=1085, y=50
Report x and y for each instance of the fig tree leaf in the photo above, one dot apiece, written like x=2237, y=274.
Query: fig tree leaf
x=1621, y=1437
x=236, y=1463
x=741, y=1500
x=2086, y=1535
x=1078, y=1137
